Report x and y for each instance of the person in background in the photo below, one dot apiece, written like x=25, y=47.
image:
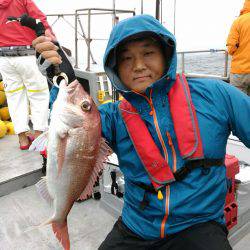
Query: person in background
x=170, y=135
x=238, y=46
x=25, y=87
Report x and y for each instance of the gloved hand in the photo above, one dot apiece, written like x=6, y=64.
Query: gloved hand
x=51, y=59
x=32, y=23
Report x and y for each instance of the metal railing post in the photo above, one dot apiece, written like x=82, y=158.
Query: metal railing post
x=84, y=37
x=76, y=41
x=226, y=64
x=88, y=62
x=182, y=62
x=157, y=10
x=114, y=14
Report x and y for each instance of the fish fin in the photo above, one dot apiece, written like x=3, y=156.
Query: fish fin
x=61, y=232
x=40, y=143
x=43, y=191
x=62, y=130
x=102, y=156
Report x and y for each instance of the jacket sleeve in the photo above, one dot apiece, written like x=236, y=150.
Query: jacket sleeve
x=34, y=11
x=233, y=38
x=236, y=106
x=108, y=113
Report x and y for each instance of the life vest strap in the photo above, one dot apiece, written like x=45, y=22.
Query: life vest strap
x=181, y=173
x=147, y=188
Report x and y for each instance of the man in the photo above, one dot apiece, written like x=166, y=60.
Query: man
x=170, y=138
x=238, y=45
x=25, y=87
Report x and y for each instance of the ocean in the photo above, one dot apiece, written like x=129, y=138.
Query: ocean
x=208, y=63
x=211, y=63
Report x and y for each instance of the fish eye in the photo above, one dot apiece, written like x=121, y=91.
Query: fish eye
x=85, y=106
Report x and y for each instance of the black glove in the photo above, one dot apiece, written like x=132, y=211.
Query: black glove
x=66, y=66
x=49, y=70
x=32, y=23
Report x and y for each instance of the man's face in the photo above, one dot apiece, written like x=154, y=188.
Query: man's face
x=140, y=63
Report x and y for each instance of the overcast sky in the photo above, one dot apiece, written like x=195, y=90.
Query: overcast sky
x=200, y=24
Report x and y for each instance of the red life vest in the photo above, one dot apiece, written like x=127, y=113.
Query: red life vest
x=186, y=129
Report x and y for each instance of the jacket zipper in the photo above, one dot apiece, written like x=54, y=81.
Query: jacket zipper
x=153, y=112
x=163, y=223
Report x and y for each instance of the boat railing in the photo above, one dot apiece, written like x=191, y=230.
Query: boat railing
x=79, y=30
x=182, y=64
x=79, y=34
x=90, y=12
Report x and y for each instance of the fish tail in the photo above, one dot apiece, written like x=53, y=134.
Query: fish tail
x=32, y=228
x=61, y=232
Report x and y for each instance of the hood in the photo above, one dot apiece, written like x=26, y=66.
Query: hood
x=246, y=7
x=132, y=27
x=4, y=3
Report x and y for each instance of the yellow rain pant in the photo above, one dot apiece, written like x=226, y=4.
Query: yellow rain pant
x=24, y=85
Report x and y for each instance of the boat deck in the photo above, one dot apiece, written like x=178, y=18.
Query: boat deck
x=88, y=224
x=18, y=168
x=21, y=208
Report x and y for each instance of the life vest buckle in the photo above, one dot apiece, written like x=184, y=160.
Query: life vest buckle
x=204, y=164
x=181, y=173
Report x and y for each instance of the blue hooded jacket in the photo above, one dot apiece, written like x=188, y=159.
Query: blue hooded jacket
x=220, y=109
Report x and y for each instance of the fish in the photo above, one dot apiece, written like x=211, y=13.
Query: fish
x=76, y=153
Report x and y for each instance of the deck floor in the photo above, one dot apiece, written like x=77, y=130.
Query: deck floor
x=15, y=162
x=88, y=224
x=23, y=207
x=20, y=210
